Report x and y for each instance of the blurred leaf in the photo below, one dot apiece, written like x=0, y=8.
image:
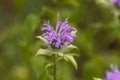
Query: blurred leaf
x=71, y=2
x=115, y=25
x=92, y=68
x=31, y=22
x=70, y=59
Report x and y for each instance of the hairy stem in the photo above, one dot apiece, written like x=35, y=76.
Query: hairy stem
x=55, y=67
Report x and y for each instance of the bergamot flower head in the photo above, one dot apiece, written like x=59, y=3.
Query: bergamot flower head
x=111, y=75
x=114, y=74
x=61, y=35
x=117, y=2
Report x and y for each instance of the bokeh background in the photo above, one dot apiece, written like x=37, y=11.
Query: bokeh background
x=98, y=37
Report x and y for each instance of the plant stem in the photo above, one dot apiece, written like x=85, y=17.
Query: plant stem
x=54, y=68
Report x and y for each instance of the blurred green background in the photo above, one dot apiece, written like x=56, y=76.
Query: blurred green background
x=98, y=38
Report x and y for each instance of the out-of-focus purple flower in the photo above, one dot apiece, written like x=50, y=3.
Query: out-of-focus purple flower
x=114, y=74
x=61, y=35
x=117, y=2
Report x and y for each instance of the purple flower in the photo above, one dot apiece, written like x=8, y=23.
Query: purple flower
x=60, y=36
x=114, y=74
x=117, y=2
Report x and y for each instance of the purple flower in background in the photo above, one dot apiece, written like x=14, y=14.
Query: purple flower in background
x=114, y=74
x=60, y=36
x=117, y=2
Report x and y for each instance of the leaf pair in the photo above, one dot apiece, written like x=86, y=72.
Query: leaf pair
x=60, y=52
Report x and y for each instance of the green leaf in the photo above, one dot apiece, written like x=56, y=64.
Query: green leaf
x=68, y=48
x=71, y=59
x=43, y=52
x=97, y=79
x=60, y=54
x=44, y=40
x=73, y=54
x=44, y=73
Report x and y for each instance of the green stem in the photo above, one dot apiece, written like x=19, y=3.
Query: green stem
x=54, y=68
